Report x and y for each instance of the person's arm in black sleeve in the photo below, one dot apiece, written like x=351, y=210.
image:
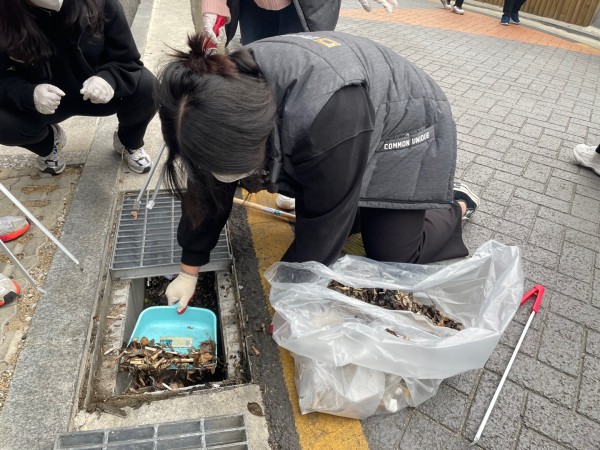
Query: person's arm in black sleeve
x=121, y=64
x=330, y=171
x=198, y=241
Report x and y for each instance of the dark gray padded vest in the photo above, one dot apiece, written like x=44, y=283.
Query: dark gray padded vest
x=412, y=156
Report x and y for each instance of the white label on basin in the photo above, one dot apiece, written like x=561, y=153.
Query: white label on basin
x=175, y=341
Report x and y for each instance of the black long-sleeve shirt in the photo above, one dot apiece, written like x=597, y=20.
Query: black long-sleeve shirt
x=111, y=55
x=329, y=166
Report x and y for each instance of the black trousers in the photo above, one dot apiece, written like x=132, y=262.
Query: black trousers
x=31, y=130
x=512, y=6
x=257, y=23
x=411, y=236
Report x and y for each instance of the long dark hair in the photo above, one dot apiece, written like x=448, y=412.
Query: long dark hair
x=22, y=39
x=217, y=113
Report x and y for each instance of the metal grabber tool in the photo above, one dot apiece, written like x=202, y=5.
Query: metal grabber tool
x=538, y=292
x=31, y=217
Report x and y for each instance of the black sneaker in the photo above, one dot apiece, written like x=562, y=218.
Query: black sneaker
x=462, y=192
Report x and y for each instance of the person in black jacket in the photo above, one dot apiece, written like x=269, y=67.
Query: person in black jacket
x=60, y=59
x=363, y=140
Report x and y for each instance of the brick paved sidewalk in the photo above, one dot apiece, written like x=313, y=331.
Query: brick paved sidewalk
x=522, y=100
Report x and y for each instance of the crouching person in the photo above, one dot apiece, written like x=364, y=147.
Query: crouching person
x=64, y=58
x=362, y=139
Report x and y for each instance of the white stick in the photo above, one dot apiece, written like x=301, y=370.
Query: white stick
x=275, y=212
x=31, y=217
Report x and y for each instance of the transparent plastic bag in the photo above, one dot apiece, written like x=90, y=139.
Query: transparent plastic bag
x=354, y=359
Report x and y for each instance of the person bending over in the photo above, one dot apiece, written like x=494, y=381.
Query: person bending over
x=60, y=59
x=362, y=138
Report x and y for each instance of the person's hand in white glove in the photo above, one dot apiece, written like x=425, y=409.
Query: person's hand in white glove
x=97, y=90
x=181, y=290
x=209, y=25
x=46, y=98
x=387, y=4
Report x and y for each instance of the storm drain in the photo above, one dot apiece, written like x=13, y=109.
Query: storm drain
x=222, y=432
x=146, y=243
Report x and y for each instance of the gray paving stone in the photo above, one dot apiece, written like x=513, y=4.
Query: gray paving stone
x=478, y=174
x=447, y=407
x=464, y=382
x=587, y=191
x=513, y=156
x=573, y=309
x=561, y=344
x=568, y=220
x=530, y=440
x=564, y=284
x=423, y=433
x=577, y=262
x=503, y=424
x=500, y=165
x=513, y=333
x=517, y=231
x=544, y=200
x=385, y=432
x=586, y=208
x=535, y=376
x=561, y=424
x=583, y=239
x=560, y=189
x=521, y=181
x=589, y=395
x=482, y=131
x=593, y=343
x=521, y=211
x=498, y=191
x=491, y=207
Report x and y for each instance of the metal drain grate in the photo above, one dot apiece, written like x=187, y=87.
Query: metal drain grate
x=222, y=432
x=147, y=245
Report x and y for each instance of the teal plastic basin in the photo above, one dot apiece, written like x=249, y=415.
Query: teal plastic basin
x=179, y=331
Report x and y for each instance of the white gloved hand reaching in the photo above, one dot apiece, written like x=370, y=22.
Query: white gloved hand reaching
x=97, y=90
x=387, y=4
x=46, y=98
x=209, y=25
x=181, y=290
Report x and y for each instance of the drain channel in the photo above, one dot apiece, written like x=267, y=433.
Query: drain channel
x=146, y=246
x=222, y=432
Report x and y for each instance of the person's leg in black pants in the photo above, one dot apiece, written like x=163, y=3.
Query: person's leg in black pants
x=412, y=236
x=257, y=23
x=31, y=130
x=510, y=11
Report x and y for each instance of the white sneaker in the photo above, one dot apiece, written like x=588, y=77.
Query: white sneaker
x=586, y=156
x=54, y=163
x=446, y=4
x=137, y=159
x=284, y=202
x=457, y=10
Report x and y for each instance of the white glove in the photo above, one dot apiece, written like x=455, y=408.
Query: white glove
x=46, y=98
x=181, y=290
x=387, y=4
x=97, y=90
x=209, y=24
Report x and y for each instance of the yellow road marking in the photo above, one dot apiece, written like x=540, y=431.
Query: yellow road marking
x=271, y=237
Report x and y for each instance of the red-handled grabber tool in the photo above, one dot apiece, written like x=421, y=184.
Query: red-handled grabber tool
x=219, y=23
x=538, y=292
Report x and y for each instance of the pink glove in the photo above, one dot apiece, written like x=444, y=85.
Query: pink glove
x=46, y=98
x=97, y=90
x=387, y=4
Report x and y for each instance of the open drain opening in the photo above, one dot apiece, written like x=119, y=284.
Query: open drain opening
x=145, y=254
x=150, y=366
